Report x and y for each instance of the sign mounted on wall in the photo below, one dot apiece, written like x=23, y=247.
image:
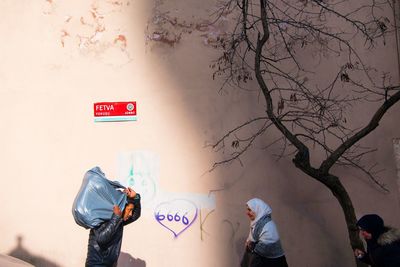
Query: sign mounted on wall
x=115, y=111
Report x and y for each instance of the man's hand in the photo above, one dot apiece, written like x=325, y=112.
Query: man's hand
x=250, y=245
x=130, y=192
x=359, y=253
x=117, y=210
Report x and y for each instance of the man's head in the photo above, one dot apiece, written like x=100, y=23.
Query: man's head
x=128, y=211
x=371, y=226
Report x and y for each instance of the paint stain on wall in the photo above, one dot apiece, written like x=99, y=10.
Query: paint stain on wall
x=164, y=28
x=93, y=31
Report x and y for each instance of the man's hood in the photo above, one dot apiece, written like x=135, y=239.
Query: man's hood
x=389, y=237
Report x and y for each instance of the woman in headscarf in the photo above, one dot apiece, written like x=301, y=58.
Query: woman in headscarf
x=263, y=246
x=383, y=242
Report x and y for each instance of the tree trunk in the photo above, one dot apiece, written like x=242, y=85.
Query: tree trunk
x=338, y=190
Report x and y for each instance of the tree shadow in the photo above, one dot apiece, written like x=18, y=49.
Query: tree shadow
x=20, y=252
x=126, y=260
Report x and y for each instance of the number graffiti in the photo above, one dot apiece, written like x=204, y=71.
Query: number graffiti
x=172, y=217
x=176, y=215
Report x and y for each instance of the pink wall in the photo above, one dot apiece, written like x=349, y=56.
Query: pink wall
x=60, y=57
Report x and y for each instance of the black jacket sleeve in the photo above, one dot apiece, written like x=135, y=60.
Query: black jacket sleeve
x=105, y=232
x=136, y=211
x=365, y=259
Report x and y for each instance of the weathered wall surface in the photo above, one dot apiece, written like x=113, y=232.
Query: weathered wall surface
x=60, y=57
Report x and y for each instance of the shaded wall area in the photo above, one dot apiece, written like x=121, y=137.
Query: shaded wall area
x=20, y=251
x=127, y=260
x=309, y=217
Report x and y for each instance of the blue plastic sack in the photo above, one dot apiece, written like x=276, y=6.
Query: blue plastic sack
x=96, y=198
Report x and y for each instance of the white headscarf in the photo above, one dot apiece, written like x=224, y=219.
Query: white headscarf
x=259, y=207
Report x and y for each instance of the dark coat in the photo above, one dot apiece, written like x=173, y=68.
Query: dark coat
x=252, y=259
x=105, y=241
x=385, y=250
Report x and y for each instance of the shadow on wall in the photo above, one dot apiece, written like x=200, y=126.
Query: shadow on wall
x=240, y=246
x=22, y=253
x=126, y=260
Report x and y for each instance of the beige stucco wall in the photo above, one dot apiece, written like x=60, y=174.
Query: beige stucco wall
x=60, y=57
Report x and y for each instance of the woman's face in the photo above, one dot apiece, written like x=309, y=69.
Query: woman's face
x=250, y=214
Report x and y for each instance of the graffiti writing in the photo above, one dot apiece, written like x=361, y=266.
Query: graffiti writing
x=143, y=184
x=176, y=215
x=202, y=221
x=171, y=217
x=139, y=170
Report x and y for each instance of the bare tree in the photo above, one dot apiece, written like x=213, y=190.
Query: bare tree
x=279, y=48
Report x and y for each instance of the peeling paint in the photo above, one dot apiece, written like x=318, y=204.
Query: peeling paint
x=163, y=28
x=91, y=32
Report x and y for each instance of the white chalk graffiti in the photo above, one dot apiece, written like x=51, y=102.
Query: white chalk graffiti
x=139, y=170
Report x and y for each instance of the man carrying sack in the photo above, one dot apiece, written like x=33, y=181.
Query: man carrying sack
x=98, y=207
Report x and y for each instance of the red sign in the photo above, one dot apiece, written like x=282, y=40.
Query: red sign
x=115, y=111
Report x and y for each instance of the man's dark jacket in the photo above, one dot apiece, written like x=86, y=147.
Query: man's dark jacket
x=105, y=241
x=385, y=251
